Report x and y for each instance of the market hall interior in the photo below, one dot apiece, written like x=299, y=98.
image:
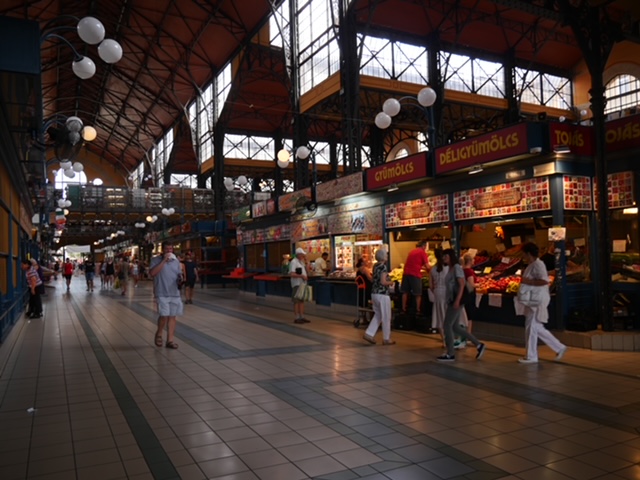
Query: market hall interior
x=85, y=393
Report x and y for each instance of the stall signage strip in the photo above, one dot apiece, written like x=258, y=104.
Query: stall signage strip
x=314, y=227
x=577, y=137
x=339, y=187
x=623, y=134
x=240, y=215
x=399, y=171
x=259, y=209
x=368, y=220
x=504, y=199
x=417, y=212
x=620, y=194
x=577, y=192
x=289, y=201
x=504, y=143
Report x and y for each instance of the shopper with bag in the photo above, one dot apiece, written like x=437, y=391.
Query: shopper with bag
x=380, y=301
x=534, y=298
x=456, y=294
x=298, y=274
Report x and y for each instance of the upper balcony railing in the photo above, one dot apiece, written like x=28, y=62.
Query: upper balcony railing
x=97, y=199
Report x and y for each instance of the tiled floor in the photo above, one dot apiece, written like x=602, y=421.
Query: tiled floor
x=251, y=395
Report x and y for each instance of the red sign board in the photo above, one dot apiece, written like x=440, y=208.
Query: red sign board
x=622, y=134
x=504, y=143
x=399, y=171
x=577, y=137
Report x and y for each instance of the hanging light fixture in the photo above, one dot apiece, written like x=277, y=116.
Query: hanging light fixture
x=89, y=133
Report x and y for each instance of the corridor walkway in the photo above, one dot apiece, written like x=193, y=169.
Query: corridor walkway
x=85, y=394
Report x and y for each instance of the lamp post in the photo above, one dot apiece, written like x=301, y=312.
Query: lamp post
x=425, y=99
x=302, y=153
x=92, y=32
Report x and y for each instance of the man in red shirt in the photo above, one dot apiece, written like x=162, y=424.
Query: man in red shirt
x=417, y=261
x=67, y=271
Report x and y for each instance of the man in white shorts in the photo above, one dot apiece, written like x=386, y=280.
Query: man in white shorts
x=166, y=270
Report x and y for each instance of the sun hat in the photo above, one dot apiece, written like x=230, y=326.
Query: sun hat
x=300, y=251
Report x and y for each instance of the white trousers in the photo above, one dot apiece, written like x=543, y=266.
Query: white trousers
x=534, y=330
x=381, y=315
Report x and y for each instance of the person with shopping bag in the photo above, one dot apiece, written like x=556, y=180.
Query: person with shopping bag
x=533, y=299
x=298, y=274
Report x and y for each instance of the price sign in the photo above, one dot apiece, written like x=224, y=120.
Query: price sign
x=486, y=270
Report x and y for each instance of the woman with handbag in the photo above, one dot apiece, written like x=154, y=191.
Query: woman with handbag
x=535, y=298
x=380, y=301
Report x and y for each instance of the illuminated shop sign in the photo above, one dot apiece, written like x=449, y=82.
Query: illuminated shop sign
x=504, y=143
x=578, y=138
x=622, y=134
x=399, y=171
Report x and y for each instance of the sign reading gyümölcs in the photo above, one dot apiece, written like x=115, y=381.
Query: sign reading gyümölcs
x=399, y=171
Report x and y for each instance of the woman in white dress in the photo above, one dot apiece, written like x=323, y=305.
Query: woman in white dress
x=438, y=290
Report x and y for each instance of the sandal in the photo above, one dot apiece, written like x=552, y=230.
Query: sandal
x=172, y=345
x=158, y=340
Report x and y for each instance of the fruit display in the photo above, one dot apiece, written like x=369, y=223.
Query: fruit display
x=395, y=275
x=497, y=285
x=479, y=260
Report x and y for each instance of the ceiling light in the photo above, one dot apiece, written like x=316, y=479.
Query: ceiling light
x=515, y=174
x=393, y=187
x=630, y=211
x=476, y=169
x=89, y=133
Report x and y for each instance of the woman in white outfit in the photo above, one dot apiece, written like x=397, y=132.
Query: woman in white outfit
x=438, y=288
x=535, y=317
x=380, y=301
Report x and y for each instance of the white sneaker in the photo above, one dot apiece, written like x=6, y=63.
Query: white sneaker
x=527, y=360
x=561, y=353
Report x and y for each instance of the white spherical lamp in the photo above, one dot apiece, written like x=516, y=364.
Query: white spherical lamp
x=78, y=167
x=110, y=51
x=73, y=124
x=65, y=164
x=303, y=152
x=149, y=219
x=74, y=138
x=97, y=182
x=283, y=158
x=382, y=120
x=89, y=133
x=154, y=218
x=67, y=203
x=391, y=107
x=427, y=97
x=69, y=173
x=242, y=180
x=172, y=211
x=84, y=68
x=91, y=30
x=61, y=203
x=165, y=212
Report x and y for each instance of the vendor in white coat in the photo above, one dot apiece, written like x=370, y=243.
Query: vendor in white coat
x=535, y=317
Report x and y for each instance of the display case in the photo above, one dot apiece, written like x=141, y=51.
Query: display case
x=349, y=248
